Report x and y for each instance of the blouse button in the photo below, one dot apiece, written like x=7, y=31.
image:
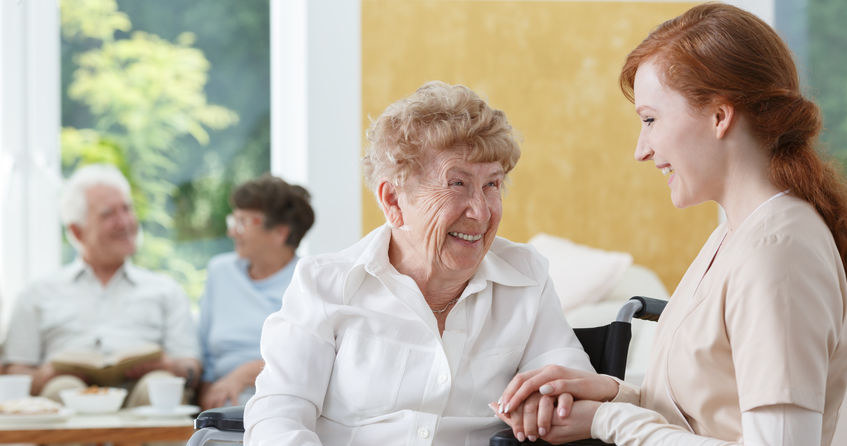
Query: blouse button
x=442, y=378
x=423, y=432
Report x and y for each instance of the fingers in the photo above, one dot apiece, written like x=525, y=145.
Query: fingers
x=530, y=416
x=565, y=405
x=545, y=414
x=530, y=384
x=514, y=385
x=517, y=423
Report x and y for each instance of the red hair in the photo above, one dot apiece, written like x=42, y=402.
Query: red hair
x=714, y=51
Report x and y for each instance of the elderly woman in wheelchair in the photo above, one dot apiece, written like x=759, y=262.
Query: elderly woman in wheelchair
x=409, y=334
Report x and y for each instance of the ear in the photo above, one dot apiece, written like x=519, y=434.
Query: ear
x=389, y=200
x=76, y=231
x=282, y=232
x=723, y=117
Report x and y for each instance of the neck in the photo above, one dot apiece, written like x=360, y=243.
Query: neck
x=438, y=284
x=747, y=184
x=103, y=271
x=268, y=264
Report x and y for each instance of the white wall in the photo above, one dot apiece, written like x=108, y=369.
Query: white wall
x=29, y=144
x=316, y=112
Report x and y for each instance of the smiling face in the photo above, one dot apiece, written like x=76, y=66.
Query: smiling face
x=107, y=236
x=681, y=140
x=450, y=210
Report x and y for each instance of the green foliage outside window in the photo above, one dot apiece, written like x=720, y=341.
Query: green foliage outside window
x=140, y=92
x=827, y=67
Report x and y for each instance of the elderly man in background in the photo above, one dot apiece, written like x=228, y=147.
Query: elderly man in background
x=101, y=301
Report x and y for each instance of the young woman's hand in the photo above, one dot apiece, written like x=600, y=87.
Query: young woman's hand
x=555, y=380
x=527, y=420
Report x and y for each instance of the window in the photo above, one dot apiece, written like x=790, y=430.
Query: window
x=176, y=93
x=814, y=31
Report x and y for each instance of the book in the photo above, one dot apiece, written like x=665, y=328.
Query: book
x=104, y=369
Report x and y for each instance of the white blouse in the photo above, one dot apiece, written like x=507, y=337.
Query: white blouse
x=355, y=357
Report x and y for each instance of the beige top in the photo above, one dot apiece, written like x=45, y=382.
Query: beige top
x=764, y=326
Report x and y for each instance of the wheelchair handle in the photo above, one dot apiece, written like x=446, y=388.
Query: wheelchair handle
x=650, y=308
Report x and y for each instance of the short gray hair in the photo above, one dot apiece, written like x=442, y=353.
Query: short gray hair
x=73, y=203
x=437, y=116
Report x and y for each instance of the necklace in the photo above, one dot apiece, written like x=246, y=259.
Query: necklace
x=449, y=304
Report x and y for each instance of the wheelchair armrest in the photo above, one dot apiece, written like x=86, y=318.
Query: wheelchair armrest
x=651, y=308
x=223, y=418
x=505, y=438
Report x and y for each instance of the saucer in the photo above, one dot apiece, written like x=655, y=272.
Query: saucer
x=62, y=415
x=154, y=412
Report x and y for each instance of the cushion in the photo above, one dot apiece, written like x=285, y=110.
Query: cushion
x=580, y=274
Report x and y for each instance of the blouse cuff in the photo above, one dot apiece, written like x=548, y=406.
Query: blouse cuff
x=627, y=393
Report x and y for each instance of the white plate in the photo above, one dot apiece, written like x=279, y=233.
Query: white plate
x=152, y=412
x=61, y=415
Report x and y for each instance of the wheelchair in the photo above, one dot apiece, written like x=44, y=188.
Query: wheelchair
x=607, y=348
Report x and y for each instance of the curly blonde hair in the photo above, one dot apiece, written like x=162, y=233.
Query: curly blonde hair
x=437, y=116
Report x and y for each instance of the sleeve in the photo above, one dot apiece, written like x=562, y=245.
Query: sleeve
x=552, y=340
x=203, y=329
x=627, y=425
x=627, y=393
x=23, y=340
x=781, y=425
x=180, y=337
x=783, y=310
x=298, y=347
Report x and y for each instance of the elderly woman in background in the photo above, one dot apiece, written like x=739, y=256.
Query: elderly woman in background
x=407, y=335
x=269, y=219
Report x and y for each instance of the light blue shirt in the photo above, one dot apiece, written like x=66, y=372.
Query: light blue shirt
x=232, y=311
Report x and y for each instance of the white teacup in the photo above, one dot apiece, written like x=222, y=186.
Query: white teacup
x=14, y=387
x=165, y=392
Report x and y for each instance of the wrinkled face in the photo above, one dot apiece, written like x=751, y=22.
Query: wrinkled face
x=108, y=234
x=452, y=208
x=247, y=230
x=678, y=138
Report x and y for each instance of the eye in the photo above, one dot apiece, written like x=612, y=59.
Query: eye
x=648, y=121
x=492, y=184
x=455, y=183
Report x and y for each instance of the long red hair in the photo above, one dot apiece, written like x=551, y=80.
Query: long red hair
x=715, y=50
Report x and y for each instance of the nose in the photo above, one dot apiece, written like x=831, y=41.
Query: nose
x=126, y=217
x=643, y=152
x=478, y=207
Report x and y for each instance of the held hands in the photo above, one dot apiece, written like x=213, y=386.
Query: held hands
x=534, y=394
x=576, y=425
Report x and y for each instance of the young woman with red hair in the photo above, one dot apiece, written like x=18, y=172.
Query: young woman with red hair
x=752, y=347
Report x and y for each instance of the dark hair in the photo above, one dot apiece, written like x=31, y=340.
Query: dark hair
x=715, y=51
x=280, y=202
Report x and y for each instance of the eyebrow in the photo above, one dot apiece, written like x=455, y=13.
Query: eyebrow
x=458, y=170
x=641, y=108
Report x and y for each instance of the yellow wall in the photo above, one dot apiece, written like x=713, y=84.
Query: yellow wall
x=553, y=68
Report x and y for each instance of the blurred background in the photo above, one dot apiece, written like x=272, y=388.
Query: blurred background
x=189, y=98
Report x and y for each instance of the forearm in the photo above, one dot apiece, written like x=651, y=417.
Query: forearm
x=188, y=368
x=777, y=425
x=40, y=375
x=628, y=425
x=246, y=373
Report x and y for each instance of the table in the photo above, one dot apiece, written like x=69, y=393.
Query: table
x=121, y=428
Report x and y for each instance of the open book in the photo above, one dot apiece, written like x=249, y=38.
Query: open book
x=104, y=370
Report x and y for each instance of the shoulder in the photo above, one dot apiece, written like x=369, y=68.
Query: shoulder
x=223, y=261
x=790, y=235
x=155, y=281
x=524, y=258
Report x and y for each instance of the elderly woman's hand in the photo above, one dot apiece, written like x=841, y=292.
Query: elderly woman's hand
x=536, y=418
x=555, y=380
